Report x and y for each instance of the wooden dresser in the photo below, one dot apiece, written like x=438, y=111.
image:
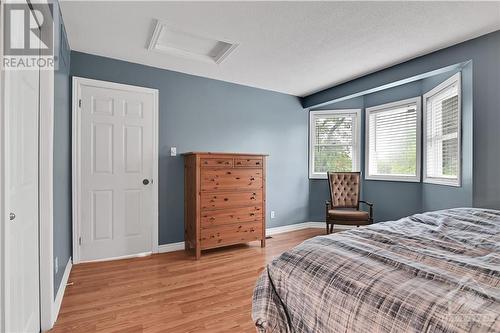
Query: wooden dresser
x=224, y=200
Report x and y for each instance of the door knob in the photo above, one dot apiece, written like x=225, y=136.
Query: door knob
x=12, y=216
x=145, y=181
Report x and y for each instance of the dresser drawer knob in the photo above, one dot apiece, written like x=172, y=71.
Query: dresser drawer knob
x=226, y=199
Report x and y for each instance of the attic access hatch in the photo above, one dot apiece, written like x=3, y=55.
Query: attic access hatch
x=171, y=41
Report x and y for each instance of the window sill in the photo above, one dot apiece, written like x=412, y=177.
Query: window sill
x=443, y=182
x=394, y=179
x=318, y=176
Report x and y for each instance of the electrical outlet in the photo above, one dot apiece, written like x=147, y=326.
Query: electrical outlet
x=173, y=151
x=56, y=265
x=273, y=214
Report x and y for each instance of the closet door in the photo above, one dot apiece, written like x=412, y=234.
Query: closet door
x=22, y=309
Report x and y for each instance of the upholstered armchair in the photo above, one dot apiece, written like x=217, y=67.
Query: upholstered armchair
x=343, y=207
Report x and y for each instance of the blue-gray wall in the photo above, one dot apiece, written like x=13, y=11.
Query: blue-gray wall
x=395, y=199
x=392, y=200
x=62, y=157
x=484, y=52
x=318, y=188
x=434, y=196
x=200, y=114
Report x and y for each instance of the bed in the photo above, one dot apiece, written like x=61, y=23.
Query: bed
x=430, y=272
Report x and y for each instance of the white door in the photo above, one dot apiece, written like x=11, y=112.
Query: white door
x=22, y=310
x=117, y=163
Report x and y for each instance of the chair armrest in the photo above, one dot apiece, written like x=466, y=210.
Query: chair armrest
x=371, y=208
x=328, y=206
x=366, y=202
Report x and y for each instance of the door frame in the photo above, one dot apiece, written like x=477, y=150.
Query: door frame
x=78, y=82
x=48, y=307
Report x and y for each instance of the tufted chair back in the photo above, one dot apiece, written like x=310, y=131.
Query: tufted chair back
x=344, y=189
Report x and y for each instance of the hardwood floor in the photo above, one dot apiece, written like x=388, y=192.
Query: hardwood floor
x=171, y=292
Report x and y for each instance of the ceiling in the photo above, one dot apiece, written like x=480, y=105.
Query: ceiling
x=291, y=47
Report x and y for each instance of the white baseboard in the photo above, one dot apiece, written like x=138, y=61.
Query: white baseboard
x=303, y=225
x=171, y=247
x=293, y=227
x=337, y=226
x=60, y=292
x=128, y=256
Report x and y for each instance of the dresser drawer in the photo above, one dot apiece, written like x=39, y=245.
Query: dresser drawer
x=231, y=234
x=211, y=201
x=224, y=199
x=212, y=218
x=216, y=162
x=248, y=162
x=230, y=179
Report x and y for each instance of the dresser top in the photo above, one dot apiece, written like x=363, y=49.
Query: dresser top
x=219, y=153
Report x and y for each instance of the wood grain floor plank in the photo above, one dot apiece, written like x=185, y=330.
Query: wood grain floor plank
x=171, y=292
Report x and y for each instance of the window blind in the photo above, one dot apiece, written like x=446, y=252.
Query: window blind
x=333, y=142
x=442, y=133
x=392, y=140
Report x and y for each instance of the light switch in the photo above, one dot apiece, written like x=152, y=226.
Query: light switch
x=173, y=151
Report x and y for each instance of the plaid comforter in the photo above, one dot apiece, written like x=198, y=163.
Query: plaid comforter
x=431, y=272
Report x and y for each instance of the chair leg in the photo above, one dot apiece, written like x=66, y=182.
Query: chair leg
x=327, y=226
x=331, y=228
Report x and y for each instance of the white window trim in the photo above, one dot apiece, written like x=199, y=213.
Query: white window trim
x=356, y=145
x=415, y=179
x=438, y=180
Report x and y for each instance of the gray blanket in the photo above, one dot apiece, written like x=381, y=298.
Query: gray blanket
x=431, y=272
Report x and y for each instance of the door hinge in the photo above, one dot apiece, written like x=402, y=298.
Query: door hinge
x=79, y=103
x=79, y=240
